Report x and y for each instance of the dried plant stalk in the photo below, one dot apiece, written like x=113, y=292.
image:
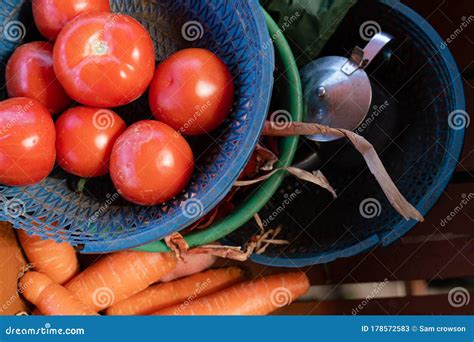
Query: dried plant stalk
x=258, y=243
x=396, y=199
x=299, y=128
x=265, y=158
x=315, y=177
x=177, y=244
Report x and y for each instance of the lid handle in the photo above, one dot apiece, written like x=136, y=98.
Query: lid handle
x=361, y=58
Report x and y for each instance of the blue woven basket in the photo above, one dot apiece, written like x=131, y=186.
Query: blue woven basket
x=424, y=80
x=235, y=31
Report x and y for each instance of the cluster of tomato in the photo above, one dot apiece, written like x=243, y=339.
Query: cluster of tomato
x=96, y=60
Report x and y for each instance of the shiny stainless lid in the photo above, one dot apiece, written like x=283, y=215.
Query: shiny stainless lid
x=337, y=90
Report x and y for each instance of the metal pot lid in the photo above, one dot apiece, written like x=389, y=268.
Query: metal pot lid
x=337, y=90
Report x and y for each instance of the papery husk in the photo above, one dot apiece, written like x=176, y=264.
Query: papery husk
x=266, y=159
x=396, y=199
x=262, y=159
x=177, y=244
x=315, y=177
x=258, y=244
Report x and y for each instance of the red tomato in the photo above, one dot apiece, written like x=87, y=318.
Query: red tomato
x=30, y=73
x=27, y=138
x=104, y=60
x=85, y=137
x=192, y=91
x=151, y=163
x=51, y=15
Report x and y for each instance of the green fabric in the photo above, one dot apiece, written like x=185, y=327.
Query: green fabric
x=308, y=24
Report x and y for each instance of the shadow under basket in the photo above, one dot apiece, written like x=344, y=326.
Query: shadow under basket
x=98, y=220
x=423, y=79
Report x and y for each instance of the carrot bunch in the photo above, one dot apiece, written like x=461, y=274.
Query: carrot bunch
x=141, y=283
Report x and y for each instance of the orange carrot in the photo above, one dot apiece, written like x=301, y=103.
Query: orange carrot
x=257, y=297
x=51, y=298
x=188, y=265
x=56, y=300
x=163, y=295
x=118, y=276
x=32, y=284
x=56, y=260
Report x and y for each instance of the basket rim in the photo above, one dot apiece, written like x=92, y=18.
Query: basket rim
x=455, y=144
x=265, y=191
